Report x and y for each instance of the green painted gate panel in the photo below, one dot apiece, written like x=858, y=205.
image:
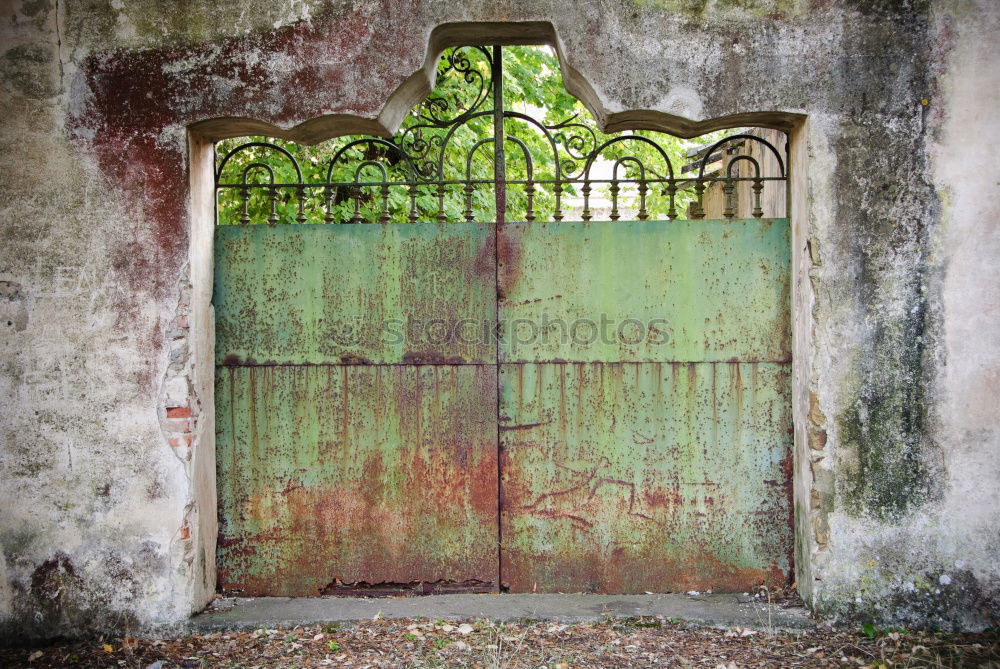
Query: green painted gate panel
x=627, y=465
x=658, y=462
x=655, y=291
x=342, y=457
x=629, y=477
x=355, y=474
x=315, y=294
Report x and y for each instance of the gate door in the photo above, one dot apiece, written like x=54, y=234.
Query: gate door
x=356, y=421
x=645, y=405
x=636, y=408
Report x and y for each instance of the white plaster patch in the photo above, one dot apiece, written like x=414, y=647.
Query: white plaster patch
x=126, y=29
x=183, y=65
x=683, y=101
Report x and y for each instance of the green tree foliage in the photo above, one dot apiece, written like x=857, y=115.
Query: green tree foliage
x=457, y=151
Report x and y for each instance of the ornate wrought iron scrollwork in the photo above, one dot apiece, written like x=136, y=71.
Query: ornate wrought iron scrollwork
x=459, y=62
x=442, y=166
x=423, y=139
x=574, y=138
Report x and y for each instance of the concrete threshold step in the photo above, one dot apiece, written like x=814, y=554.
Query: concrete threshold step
x=716, y=610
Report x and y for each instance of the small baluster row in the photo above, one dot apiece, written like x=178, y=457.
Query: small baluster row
x=370, y=202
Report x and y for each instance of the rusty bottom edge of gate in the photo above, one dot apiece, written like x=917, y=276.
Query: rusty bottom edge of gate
x=412, y=589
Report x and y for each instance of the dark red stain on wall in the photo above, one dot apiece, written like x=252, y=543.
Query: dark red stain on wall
x=129, y=109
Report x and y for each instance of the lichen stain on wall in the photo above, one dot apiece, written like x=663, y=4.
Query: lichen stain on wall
x=910, y=551
x=890, y=423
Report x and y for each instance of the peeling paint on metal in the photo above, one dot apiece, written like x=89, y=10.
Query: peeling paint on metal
x=345, y=474
x=693, y=290
x=653, y=464
x=355, y=294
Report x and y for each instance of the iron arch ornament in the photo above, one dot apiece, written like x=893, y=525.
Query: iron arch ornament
x=446, y=164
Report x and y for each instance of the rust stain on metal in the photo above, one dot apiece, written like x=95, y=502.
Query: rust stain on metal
x=442, y=587
x=484, y=266
x=509, y=261
x=629, y=468
x=354, y=294
x=421, y=358
x=391, y=477
x=353, y=359
x=625, y=468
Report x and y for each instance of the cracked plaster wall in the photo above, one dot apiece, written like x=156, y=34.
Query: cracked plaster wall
x=106, y=481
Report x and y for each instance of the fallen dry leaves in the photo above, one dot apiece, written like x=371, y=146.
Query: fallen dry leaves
x=643, y=642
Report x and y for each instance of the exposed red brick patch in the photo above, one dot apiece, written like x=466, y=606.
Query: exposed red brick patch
x=178, y=412
x=180, y=442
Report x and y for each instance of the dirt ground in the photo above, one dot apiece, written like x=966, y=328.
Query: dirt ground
x=641, y=642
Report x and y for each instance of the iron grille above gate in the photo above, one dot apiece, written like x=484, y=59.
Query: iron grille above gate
x=446, y=165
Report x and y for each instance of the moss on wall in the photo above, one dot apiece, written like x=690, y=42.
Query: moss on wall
x=946, y=598
x=888, y=424
x=889, y=457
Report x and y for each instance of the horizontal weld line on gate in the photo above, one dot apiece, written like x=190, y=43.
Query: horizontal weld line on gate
x=514, y=362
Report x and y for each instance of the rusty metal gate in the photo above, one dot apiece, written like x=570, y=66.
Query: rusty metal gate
x=410, y=402
x=654, y=455
x=345, y=457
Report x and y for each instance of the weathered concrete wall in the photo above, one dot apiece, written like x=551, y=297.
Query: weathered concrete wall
x=908, y=494
x=105, y=481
